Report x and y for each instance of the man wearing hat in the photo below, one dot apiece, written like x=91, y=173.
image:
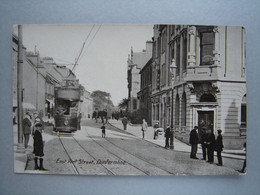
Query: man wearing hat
x=194, y=142
x=27, y=128
x=219, y=147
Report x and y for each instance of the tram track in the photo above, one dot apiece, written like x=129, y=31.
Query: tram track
x=137, y=157
x=73, y=162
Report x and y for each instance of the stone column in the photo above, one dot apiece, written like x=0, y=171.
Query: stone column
x=192, y=44
x=216, y=51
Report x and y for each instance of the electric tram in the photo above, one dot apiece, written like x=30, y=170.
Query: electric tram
x=67, y=116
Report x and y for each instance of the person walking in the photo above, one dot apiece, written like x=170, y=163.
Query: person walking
x=194, y=142
x=38, y=146
x=144, y=127
x=125, y=121
x=103, y=130
x=27, y=123
x=167, y=137
x=219, y=147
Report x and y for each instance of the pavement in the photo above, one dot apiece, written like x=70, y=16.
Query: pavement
x=21, y=159
x=178, y=145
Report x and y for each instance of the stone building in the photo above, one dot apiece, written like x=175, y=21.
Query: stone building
x=206, y=86
x=40, y=77
x=135, y=63
x=144, y=95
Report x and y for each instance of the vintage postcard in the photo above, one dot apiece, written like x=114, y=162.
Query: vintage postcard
x=129, y=99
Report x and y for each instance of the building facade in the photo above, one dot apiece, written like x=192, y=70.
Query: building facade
x=40, y=77
x=135, y=63
x=144, y=95
x=206, y=86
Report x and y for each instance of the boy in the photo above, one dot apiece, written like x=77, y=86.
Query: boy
x=38, y=146
x=103, y=130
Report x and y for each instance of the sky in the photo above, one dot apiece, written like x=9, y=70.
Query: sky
x=103, y=62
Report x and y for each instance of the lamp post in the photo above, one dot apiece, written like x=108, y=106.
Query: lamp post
x=173, y=73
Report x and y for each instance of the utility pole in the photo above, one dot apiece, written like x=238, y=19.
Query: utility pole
x=20, y=146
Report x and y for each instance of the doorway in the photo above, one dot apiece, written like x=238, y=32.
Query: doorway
x=206, y=120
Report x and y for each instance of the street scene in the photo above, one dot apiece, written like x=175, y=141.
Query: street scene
x=129, y=99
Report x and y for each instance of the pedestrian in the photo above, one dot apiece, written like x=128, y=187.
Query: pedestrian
x=38, y=146
x=210, y=146
x=103, y=130
x=27, y=123
x=243, y=170
x=94, y=115
x=203, y=144
x=144, y=127
x=125, y=121
x=155, y=127
x=79, y=121
x=219, y=147
x=167, y=136
x=194, y=142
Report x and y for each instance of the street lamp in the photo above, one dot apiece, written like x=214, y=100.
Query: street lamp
x=173, y=73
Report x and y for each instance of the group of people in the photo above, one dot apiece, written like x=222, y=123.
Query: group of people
x=100, y=114
x=208, y=143
x=34, y=126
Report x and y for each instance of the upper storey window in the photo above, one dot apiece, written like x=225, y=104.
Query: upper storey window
x=207, y=41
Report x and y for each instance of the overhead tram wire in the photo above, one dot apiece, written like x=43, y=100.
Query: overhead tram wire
x=82, y=48
x=92, y=39
x=76, y=61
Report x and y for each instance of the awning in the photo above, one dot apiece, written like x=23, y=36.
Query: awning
x=50, y=101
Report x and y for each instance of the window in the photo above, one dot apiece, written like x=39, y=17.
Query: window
x=178, y=57
x=183, y=110
x=184, y=53
x=164, y=41
x=163, y=74
x=207, y=39
x=177, y=110
x=135, y=104
x=243, y=112
x=207, y=98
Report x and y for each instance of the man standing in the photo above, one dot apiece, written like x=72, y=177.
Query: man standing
x=144, y=127
x=210, y=146
x=167, y=136
x=194, y=142
x=219, y=147
x=27, y=128
x=124, y=121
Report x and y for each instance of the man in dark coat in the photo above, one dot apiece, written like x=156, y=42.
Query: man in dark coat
x=210, y=147
x=203, y=144
x=38, y=147
x=167, y=137
x=27, y=128
x=219, y=147
x=194, y=142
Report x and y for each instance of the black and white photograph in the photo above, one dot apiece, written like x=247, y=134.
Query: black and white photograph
x=129, y=99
